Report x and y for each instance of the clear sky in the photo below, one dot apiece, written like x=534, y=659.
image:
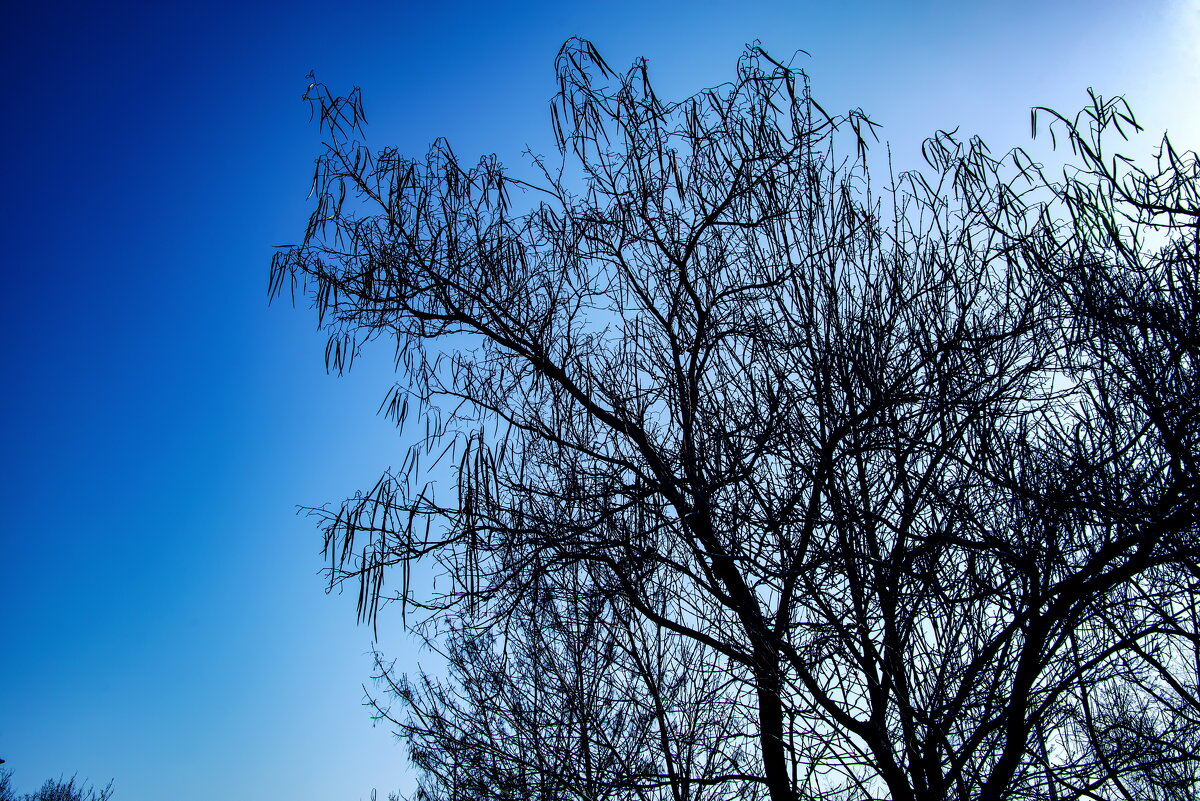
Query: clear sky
x=162, y=622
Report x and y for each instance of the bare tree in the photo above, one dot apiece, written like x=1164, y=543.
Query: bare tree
x=51, y=790
x=1122, y=476
x=770, y=480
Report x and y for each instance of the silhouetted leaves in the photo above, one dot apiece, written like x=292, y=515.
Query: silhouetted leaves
x=766, y=480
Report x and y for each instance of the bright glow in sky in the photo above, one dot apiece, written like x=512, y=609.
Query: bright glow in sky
x=1184, y=54
x=164, y=623
x=1189, y=34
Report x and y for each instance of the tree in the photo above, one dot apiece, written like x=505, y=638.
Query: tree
x=53, y=790
x=770, y=480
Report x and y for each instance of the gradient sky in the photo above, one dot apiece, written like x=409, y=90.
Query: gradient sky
x=162, y=622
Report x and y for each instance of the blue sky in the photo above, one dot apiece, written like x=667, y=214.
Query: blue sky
x=163, y=621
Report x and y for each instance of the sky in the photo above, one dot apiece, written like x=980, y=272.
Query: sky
x=163, y=623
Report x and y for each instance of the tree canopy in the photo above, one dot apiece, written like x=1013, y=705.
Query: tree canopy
x=763, y=477
x=52, y=790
